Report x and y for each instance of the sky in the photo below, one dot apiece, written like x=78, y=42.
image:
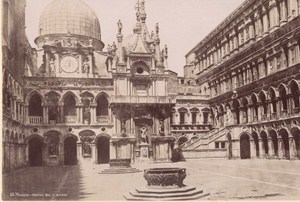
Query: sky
x=182, y=23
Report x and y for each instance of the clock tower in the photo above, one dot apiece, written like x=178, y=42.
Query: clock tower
x=73, y=49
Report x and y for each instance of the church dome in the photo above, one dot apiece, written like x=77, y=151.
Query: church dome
x=69, y=16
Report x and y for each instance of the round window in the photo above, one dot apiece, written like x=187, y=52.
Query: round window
x=140, y=70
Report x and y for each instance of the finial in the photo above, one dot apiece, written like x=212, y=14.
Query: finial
x=137, y=8
x=157, y=29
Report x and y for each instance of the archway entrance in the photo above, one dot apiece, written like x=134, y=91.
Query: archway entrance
x=103, y=150
x=35, y=152
x=296, y=136
x=245, y=146
x=70, y=151
x=285, y=140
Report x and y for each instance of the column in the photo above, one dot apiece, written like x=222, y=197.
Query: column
x=62, y=120
x=293, y=150
x=262, y=149
x=280, y=149
x=79, y=151
x=283, y=12
x=265, y=21
x=26, y=115
x=252, y=149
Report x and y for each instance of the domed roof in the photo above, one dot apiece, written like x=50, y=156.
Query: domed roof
x=69, y=16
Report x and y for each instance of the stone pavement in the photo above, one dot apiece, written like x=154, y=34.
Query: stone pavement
x=224, y=179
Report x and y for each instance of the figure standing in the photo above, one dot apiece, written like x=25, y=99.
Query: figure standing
x=143, y=130
x=86, y=66
x=52, y=66
x=120, y=27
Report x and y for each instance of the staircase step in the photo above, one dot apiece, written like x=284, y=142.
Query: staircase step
x=166, y=195
x=129, y=197
x=119, y=170
x=165, y=190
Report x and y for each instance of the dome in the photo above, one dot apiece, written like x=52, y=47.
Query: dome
x=69, y=16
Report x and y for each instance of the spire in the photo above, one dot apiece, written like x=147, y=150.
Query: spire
x=140, y=11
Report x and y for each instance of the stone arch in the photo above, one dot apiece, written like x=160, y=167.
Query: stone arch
x=244, y=108
x=255, y=139
x=102, y=100
x=70, y=101
x=36, y=146
x=69, y=93
x=33, y=92
x=274, y=138
x=284, y=144
x=70, y=149
x=103, y=144
x=282, y=89
x=296, y=141
x=236, y=108
x=140, y=67
x=263, y=100
x=294, y=91
x=264, y=139
x=245, y=150
x=272, y=95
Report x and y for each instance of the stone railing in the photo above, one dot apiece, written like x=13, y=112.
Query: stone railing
x=35, y=119
x=103, y=119
x=143, y=99
x=70, y=119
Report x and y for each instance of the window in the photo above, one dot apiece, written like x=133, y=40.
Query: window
x=217, y=145
x=182, y=117
x=194, y=117
x=222, y=145
x=205, y=118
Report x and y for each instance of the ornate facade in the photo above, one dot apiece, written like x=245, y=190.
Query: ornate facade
x=68, y=100
x=249, y=67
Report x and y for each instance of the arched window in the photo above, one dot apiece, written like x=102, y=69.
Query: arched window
x=236, y=108
x=102, y=106
x=255, y=107
x=295, y=96
x=182, y=112
x=273, y=102
x=283, y=98
x=35, y=106
x=70, y=112
x=245, y=110
x=264, y=104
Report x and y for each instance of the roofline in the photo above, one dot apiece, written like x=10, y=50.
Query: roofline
x=225, y=22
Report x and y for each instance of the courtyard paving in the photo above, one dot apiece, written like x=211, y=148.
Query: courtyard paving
x=223, y=179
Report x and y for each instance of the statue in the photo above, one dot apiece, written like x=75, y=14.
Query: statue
x=123, y=129
x=52, y=66
x=86, y=66
x=216, y=116
x=161, y=128
x=157, y=28
x=228, y=116
x=144, y=136
x=120, y=26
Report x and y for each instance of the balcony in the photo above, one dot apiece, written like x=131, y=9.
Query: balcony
x=35, y=119
x=71, y=119
x=142, y=99
x=103, y=119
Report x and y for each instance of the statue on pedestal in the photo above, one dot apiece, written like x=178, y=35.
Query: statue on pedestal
x=144, y=136
x=52, y=66
x=86, y=66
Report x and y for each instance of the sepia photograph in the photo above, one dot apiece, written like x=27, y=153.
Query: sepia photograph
x=150, y=100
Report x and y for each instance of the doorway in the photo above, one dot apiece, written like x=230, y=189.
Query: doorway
x=35, y=152
x=70, y=151
x=103, y=150
x=245, y=146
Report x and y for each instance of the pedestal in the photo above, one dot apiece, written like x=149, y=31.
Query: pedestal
x=162, y=148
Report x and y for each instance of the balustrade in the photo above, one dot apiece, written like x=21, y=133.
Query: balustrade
x=35, y=119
